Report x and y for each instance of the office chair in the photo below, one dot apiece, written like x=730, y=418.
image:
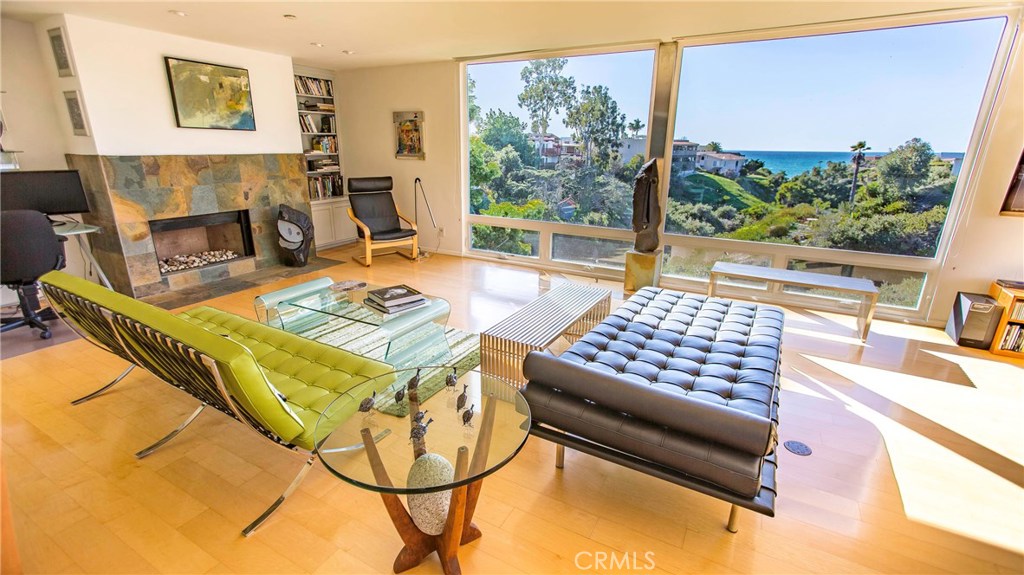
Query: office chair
x=28, y=249
x=377, y=219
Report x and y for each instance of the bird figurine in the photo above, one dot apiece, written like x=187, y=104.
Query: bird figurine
x=399, y=395
x=467, y=416
x=460, y=402
x=420, y=430
x=451, y=380
x=366, y=404
x=418, y=418
x=415, y=381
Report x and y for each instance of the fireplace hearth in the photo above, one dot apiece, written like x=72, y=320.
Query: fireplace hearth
x=198, y=241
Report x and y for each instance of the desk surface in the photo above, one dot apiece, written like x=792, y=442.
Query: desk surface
x=74, y=228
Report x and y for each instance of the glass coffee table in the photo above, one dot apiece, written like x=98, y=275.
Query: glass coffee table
x=436, y=455
x=317, y=311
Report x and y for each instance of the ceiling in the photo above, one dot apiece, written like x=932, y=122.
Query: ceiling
x=386, y=33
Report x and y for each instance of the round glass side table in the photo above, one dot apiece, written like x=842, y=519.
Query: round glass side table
x=437, y=453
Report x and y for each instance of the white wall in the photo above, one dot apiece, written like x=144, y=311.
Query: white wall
x=124, y=86
x=366, y=99
x=33, y=122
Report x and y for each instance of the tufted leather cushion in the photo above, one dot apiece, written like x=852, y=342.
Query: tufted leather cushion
x=681, y=379
x=306, y=374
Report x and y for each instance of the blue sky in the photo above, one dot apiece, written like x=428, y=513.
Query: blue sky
x=817, y=93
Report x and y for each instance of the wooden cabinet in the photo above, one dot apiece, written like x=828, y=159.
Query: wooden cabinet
x=331, y=224
x=1009, y=338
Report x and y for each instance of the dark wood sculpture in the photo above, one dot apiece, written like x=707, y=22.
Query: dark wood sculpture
x=646, y=208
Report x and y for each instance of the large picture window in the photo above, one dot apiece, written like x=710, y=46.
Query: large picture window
x=848, y=141
x=557, y=140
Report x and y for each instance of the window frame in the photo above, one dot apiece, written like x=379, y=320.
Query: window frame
x=965, y=192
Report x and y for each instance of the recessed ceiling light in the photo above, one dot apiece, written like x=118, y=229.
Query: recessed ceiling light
x=290, y=17
x=317, y=44
x=348, y=52
x=178, y=13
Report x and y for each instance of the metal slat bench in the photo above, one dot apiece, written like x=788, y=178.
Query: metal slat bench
x=863, y=287
x=569, y=310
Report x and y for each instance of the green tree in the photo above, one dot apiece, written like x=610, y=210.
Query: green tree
x=499, y=129
x=635, y=126
x=750, y=167
x=713, y=146
x=629, y=170
x=829, y=185
x=483, y=166
x=905, y=168
x=597, y=125
x=858, y=150
x=546, y=90
x=471, y=105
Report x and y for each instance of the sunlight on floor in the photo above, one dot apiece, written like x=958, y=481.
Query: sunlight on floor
x=955, y=407
x=938, y=486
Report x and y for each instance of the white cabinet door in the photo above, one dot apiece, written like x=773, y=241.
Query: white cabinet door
x=323, y=226
x=344, y=227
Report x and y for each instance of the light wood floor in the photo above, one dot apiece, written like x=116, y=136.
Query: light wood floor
x=917, y=467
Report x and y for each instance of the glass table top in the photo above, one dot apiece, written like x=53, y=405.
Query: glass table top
x=347, y=305
x=491, y=436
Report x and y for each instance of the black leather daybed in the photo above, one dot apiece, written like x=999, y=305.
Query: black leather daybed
x=679, y=386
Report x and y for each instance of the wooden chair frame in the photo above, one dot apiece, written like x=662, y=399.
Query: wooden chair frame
x=370, y=244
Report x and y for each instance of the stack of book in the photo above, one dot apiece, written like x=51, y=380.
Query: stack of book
x=394, y=299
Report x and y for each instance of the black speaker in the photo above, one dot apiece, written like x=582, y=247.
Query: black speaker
x=974, y=319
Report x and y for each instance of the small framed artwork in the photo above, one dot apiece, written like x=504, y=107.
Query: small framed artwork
x=210, y=96
x=1013, y=205
x=409, y=135
x=61, y=55
x=79, y=125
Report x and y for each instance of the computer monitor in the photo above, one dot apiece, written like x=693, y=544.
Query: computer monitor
x=53, y=192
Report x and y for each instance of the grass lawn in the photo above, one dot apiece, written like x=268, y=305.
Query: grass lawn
x=715, y=191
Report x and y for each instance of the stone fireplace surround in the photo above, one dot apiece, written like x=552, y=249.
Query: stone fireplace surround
x=127, y=192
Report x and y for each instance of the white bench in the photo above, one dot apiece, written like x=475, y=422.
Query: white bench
x=863, y=287
x=569, y=310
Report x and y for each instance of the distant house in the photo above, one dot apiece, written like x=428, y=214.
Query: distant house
x=570, y=148
x=548, y=147
x=684, y=155
x=631, y=147
x=720, y=162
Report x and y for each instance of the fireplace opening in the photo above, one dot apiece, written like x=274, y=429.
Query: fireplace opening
x=197, y=241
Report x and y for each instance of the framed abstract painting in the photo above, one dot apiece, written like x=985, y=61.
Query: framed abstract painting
x=210, y=96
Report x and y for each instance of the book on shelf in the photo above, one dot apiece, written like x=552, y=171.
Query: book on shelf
x=314, y=86
x=1017, y=312
x=306, y=123
x=325, y=187
x=396, y=308
x=324, y=144
x=1012, y=284
x=394, y=295
x=327, y=124
x=1013, y=338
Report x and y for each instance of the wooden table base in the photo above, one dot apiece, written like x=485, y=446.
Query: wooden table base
x=458, y=528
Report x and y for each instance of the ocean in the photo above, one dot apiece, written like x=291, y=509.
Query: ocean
x=794, y=163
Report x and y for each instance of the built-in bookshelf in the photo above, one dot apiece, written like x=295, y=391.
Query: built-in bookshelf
x=314, y=97
x=1009, y=338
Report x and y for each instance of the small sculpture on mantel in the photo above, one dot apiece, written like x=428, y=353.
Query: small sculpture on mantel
x=646, y=208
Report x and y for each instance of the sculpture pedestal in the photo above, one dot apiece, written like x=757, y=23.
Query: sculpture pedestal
x=642, y=269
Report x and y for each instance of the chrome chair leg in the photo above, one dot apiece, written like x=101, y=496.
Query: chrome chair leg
x=559, y=455
x=172, y=434
x=734, y=514
x=291, y=489
x=86, y=398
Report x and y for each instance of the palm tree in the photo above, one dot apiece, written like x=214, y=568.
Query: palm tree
x=858, y=150
x=635, y=126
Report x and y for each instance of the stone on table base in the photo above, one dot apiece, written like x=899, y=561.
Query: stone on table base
x=642, y=269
